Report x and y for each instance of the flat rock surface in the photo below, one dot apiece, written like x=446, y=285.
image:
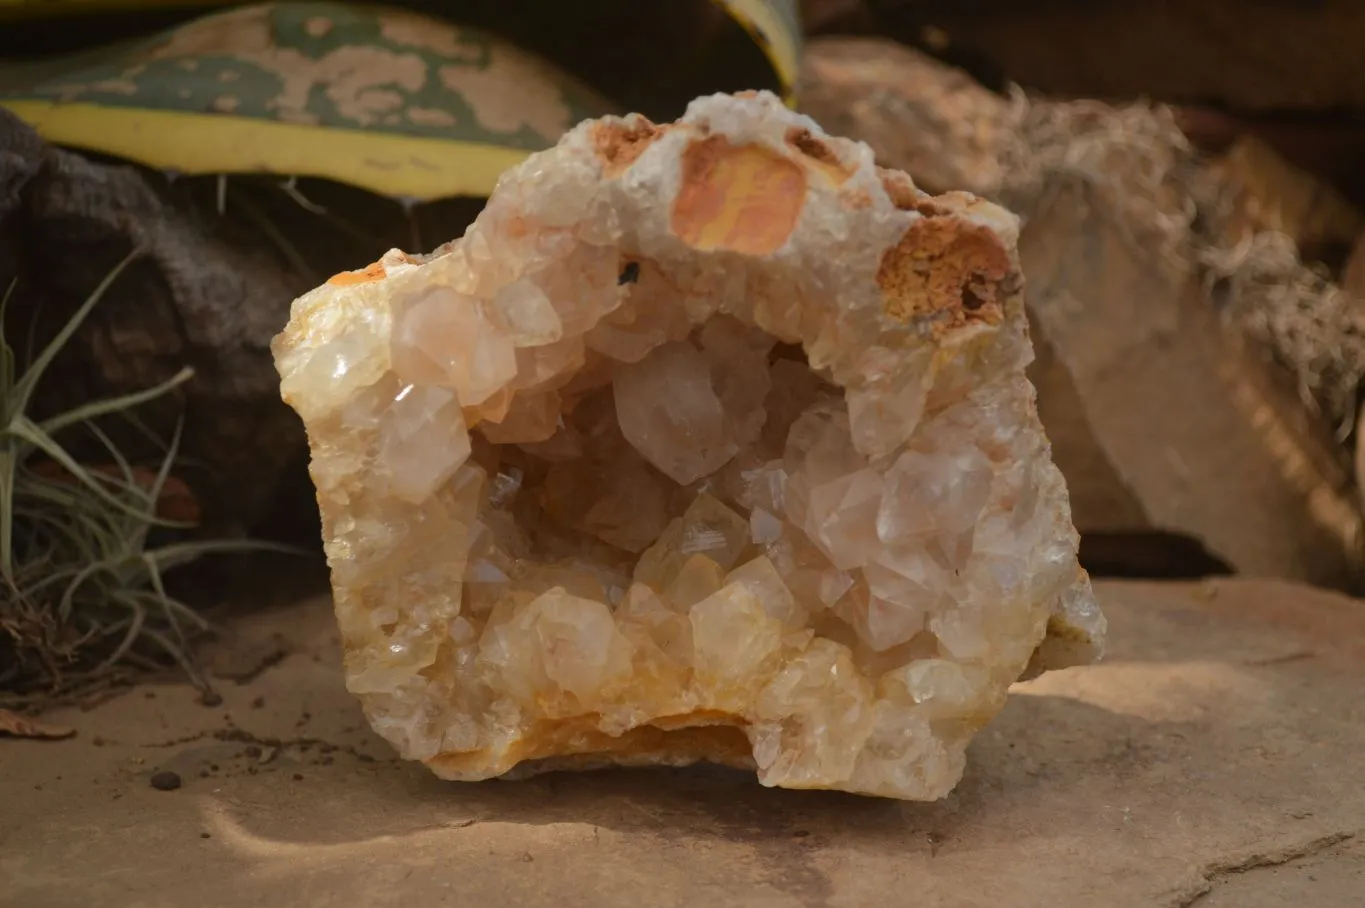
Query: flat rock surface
x=1217, y=758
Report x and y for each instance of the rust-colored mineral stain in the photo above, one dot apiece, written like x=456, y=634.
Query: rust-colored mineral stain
x=717, y=737
x=371, y=272
x=818, y=153
x=946, y=268
x=904, y=194
x=741, y=198
x=619, y=144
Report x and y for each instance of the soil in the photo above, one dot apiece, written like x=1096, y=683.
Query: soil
x=1213, y=760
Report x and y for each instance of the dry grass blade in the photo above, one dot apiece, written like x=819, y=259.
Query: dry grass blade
x=83, y=596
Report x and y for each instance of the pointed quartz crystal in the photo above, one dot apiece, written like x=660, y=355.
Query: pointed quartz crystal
x=423, y=441
x=444, y=338
x=707, y=528
x=670, y=412
x=762, y=579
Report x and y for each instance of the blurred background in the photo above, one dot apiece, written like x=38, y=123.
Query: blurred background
x=1187, y=173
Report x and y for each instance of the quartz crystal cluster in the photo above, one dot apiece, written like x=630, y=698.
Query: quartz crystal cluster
x=707, y=441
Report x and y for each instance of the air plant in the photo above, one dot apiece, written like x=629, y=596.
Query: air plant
x=82, y=592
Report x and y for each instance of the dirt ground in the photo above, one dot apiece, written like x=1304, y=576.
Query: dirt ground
x=1217, y=759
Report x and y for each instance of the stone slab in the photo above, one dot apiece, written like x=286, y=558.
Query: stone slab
x=1214, y=759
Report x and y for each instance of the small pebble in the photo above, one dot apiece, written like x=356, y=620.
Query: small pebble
x=165, y=780
x=204, y=835
x=298, y=777
x=253, y=752
x=258, y=703
x=211, y=698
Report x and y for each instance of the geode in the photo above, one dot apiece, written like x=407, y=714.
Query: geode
x=707, y=441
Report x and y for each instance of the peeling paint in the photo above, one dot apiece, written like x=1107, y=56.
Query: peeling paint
x=416, y=33
x=318, y=26
x=430, y=116
x=388, y=99
x=115, y=86
x=340, y=66
x=510, y=93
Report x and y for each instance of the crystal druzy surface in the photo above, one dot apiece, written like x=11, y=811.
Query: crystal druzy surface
x=707, y=441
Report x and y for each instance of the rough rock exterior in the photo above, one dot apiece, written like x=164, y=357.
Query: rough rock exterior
x=201, y=296
x=707, y=441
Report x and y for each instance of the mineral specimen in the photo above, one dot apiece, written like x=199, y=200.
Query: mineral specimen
x=707, y=441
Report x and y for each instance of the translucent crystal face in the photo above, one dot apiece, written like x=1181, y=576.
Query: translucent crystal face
x=685, y=452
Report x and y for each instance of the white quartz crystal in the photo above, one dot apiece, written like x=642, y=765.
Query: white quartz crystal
x=707, y=441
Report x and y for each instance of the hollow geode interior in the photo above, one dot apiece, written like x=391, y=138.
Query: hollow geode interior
x=708, y=441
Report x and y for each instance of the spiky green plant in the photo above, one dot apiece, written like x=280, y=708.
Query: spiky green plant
x=82, y=597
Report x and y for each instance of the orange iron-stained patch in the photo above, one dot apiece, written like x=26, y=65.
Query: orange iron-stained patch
x=618, y=144
x=742, y=198
x=948, y=269
x=821, y=156
x=371, y=272
x=904, y=194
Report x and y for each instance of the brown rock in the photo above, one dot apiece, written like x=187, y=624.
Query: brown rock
x=1353, y=287
x=1161, y=418
x=1202, y=436
x=1262, y=55
x=935, y=123
x=819, y=15
x=1353, y=273
x=193, y=299
x=1328, y=145
x=209, y=292
x=1264, y=191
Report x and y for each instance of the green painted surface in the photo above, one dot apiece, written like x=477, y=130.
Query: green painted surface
x=329, y=64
